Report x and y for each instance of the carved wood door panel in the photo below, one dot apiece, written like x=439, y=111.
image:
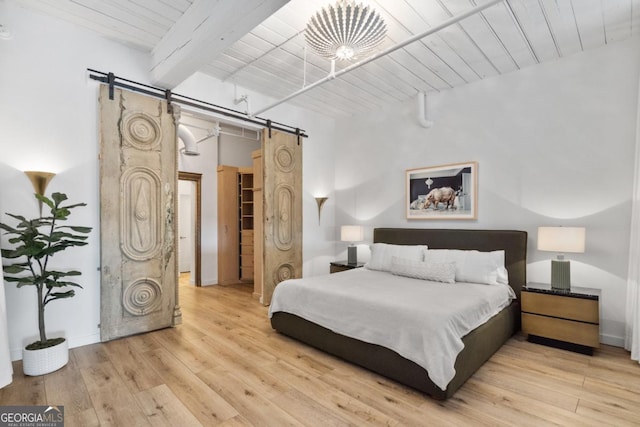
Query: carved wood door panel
x=138, y=178
x=282, y=220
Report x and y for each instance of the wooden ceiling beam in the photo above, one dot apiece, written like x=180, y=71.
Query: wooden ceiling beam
x=205, y=30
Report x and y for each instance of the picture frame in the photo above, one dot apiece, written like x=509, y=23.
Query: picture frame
x=442, y=192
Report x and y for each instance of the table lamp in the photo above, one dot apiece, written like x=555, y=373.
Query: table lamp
x=561, y=240
x=352, y=234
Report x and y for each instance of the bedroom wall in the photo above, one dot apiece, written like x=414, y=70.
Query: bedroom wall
x=554, y=144
x=48, y=112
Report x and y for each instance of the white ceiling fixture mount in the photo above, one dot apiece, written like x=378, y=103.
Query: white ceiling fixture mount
x=345, y=30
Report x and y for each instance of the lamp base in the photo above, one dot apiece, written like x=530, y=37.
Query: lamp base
x=352, y=254
x=560, y=274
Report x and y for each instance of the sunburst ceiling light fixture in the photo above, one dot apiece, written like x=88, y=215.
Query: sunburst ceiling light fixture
x=346, y=30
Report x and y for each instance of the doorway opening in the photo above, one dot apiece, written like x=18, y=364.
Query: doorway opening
x=189, y=226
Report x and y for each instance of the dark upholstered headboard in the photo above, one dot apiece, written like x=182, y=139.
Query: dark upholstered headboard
x=513, y=242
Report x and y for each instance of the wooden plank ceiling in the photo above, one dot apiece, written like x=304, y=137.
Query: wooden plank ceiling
x=267, y=52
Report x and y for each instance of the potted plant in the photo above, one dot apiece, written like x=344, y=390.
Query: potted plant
x=35, y=242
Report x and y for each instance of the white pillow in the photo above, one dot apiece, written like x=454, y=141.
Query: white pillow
x=381, y=254
x=472, y=266
x=437, y=271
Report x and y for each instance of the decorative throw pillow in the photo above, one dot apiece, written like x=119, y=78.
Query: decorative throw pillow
x=381, y=254
x=472, y=266
x=437, y=271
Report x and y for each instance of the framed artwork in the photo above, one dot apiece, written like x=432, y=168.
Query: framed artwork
x=442, y=192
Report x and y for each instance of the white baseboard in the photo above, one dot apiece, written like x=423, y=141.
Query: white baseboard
x=16, y=353
x=612, y=340
x=84, y=340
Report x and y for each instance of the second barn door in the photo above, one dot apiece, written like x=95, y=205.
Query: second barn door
x=282, y=214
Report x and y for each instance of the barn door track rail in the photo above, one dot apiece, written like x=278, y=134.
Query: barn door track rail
x=113, y=81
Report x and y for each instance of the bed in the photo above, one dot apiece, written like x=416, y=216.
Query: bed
x=478, y=344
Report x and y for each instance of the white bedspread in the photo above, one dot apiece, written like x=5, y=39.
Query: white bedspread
x=420, y=320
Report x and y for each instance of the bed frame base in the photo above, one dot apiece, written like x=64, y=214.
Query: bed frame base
x=480, y=344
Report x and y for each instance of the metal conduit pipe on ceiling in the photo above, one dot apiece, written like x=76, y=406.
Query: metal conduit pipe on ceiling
x=385, y=52
x=422, y=110
x=189, y=141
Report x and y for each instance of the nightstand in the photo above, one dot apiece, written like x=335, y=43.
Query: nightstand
x=338, y=266
x=566, y=318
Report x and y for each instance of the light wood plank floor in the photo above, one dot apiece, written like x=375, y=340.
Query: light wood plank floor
x=226, y=366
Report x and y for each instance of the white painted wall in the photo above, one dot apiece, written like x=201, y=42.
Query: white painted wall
x=48, y=117
x=236, y=151
x=555, y=146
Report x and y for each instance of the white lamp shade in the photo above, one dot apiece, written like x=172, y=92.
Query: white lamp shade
x=561, y=239
x=351, y=233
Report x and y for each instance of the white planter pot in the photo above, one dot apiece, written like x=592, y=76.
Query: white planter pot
x=46, y=360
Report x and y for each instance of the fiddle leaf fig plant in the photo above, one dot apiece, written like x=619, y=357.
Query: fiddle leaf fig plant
x=35, y=242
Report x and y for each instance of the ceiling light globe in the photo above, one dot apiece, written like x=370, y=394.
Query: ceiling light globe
x=345, y=30
x=344, y=52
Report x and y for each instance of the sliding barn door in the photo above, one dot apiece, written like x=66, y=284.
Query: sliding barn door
x=138, y=178
x=282, y=220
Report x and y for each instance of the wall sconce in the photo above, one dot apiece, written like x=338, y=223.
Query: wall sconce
x=561, y=240
x=40, y=181
x=320, y=201
x=352, y=233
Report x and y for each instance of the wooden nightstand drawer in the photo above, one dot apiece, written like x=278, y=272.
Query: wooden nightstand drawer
x=585, y=310
x=587, y=334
